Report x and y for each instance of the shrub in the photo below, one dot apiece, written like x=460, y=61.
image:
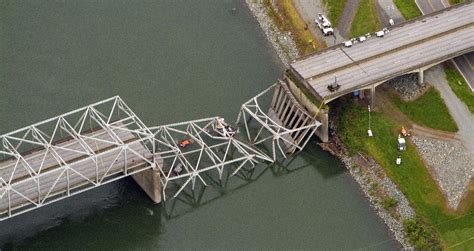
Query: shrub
x=389, y=203
x=421, y=235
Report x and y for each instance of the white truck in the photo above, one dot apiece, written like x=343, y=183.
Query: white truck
x=324, y=25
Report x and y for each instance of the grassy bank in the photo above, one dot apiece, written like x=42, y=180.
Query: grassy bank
x=287, y=19
x=428, y=110
x=366, y=19
x=335, y=9
x=454, y=229
x=460, y=87
x=408, y=8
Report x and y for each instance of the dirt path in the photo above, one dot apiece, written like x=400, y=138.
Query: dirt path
x=347, y=16
x=432, y=133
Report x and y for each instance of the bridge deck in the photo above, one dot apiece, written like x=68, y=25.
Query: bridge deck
x=52, y=179
x=417, y=43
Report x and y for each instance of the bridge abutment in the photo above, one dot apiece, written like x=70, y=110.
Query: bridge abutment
x=321, y=114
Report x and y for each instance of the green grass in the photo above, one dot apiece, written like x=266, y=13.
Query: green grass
x=408, y=8
x=366, y=19
x=456, y=1
x=460, y=87
x=335, y=9
x=428, y=110
x=456, y=230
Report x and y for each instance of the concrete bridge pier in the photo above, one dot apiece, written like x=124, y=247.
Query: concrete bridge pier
x=372, y=95
x=421, y=77
x=149, y=181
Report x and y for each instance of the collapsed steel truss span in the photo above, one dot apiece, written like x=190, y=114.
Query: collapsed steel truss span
x=100, y=143
x=71, y=153
x=210, y=151
x=285, y=121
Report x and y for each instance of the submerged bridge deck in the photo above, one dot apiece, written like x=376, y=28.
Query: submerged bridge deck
x=408, y=47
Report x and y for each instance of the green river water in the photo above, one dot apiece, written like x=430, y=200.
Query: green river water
x=170, y=61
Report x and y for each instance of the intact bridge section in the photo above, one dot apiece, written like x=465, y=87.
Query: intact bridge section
x=106, y=141
x=412, y=46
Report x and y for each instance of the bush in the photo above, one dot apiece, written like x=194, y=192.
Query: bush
x=421, y=235
x=389, y=203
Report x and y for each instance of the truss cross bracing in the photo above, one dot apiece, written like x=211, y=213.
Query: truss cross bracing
x=285, y=124
x=71, y=153
x=100, y=143
x=210, y=152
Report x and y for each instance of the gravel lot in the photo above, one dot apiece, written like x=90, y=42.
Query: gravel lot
x=450, y=164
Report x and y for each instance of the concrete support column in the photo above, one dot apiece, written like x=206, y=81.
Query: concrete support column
x=372, y=96
x=149, y=181
x=323, y=131
x=421, y=77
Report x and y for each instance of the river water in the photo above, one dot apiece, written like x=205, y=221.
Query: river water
x=170, y=61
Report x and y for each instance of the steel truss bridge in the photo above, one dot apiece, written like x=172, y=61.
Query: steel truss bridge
x=106, y=141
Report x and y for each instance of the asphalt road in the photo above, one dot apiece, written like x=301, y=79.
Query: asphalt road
x=391, y=11
x=464, y=63
x=406, y=47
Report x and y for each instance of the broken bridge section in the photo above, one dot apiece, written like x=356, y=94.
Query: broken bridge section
x=206, y=152
x=283, y=122
x=106, y=141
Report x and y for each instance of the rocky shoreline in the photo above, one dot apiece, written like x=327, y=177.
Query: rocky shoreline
x=370, y=176
x=282, y=42
x=377, y=188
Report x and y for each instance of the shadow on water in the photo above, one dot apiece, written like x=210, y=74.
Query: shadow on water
x=103, y=210
x=202, y=195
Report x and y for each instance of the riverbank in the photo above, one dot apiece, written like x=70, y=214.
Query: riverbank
x=283, y=43
x=367, y=173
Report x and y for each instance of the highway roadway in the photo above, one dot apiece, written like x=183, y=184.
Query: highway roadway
x=464, y=63
x=408, y=47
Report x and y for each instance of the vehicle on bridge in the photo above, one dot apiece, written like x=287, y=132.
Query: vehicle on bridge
x=324, y=25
